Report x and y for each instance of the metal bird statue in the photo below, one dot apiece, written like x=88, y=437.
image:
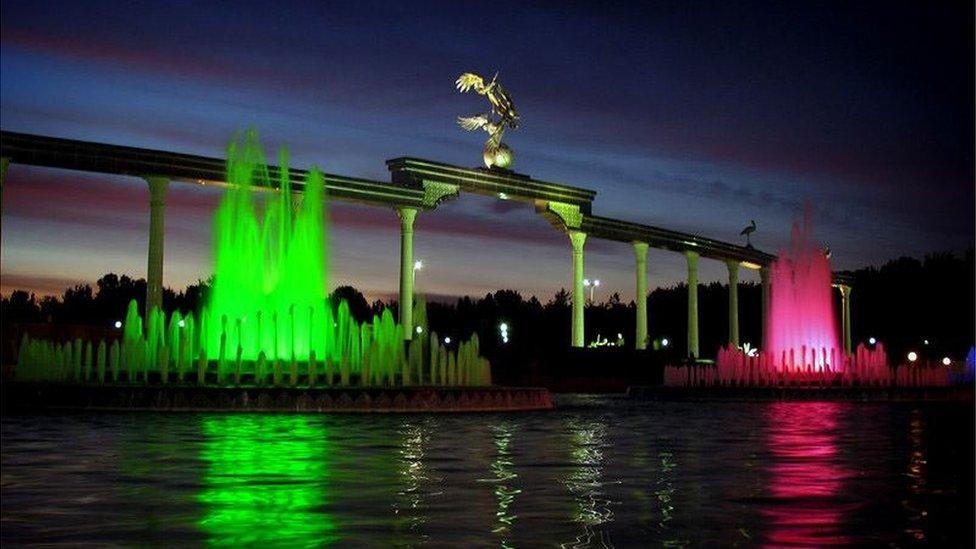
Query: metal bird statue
x=751, y=228
x=501, y=116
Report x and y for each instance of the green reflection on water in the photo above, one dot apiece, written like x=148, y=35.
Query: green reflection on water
x=585, y=482
x=502, y=468
x=266, y=481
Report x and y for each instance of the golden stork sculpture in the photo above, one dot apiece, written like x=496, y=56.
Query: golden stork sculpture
x=501, y=116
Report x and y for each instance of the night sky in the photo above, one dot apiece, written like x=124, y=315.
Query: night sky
x=694, y=117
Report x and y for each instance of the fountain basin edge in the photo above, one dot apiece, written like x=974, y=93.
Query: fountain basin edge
x=182, y=398
x=963, y=393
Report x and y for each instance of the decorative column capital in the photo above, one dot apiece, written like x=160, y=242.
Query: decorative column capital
x=157, y=183
x=640, y=251
x=733, y=267
x=577, y=238
x=407, y=217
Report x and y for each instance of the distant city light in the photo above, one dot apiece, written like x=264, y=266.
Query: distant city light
x=925, y=342
x=872, y=341
x=665, y=342
x=503, y=331
x=503, y=196
x=181, y=323
x=420, y=329
x=118, y=324
x=912, y=356
x=946, y=361
x=447, y=341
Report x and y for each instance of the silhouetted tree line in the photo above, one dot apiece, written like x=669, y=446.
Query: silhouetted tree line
x=903, y=304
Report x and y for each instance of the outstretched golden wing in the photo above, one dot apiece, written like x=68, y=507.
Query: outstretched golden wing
x=472, y=123
x=470, y=80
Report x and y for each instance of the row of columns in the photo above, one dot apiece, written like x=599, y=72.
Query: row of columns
x=154, y=277
x=157, y=192
x=578, y=239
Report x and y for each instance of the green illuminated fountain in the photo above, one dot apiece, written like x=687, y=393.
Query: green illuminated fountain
x=267, y=320
x=270, y=269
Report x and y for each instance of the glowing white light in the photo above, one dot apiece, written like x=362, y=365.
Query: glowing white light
x=925, y=342
x=417, y=265
x=503, y=327
x=749, y=350
x=665, y=342
x=503, y=196
x=586, y=282
x=118, y=323
x=420, y=329
x=181, y=323
x=596, y=282
x=447, y=341
x=946, y=361
x=620, y=336
x=872, y=341
x=912, y=356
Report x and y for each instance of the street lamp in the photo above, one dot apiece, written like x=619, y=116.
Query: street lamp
x=417, y=266
x=912, y=356
x=591, y=285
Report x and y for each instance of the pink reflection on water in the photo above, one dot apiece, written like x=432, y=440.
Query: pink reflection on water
x=802, y=324
x=806, y=477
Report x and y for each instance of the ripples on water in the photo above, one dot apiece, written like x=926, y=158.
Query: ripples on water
x=599, y=472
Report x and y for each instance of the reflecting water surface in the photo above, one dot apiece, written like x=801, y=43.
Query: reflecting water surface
x=806, y=476
x=598, y=472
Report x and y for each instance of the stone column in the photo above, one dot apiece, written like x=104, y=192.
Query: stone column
x=845, y=300
x=733, y=267
x=578, y=238
x=640, y=298
x=764, y=277
x=693, y=304
x=407, y=217
x=157, y=231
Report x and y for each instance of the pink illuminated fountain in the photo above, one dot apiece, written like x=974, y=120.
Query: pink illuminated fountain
x=803, y=343
x=802, y=324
